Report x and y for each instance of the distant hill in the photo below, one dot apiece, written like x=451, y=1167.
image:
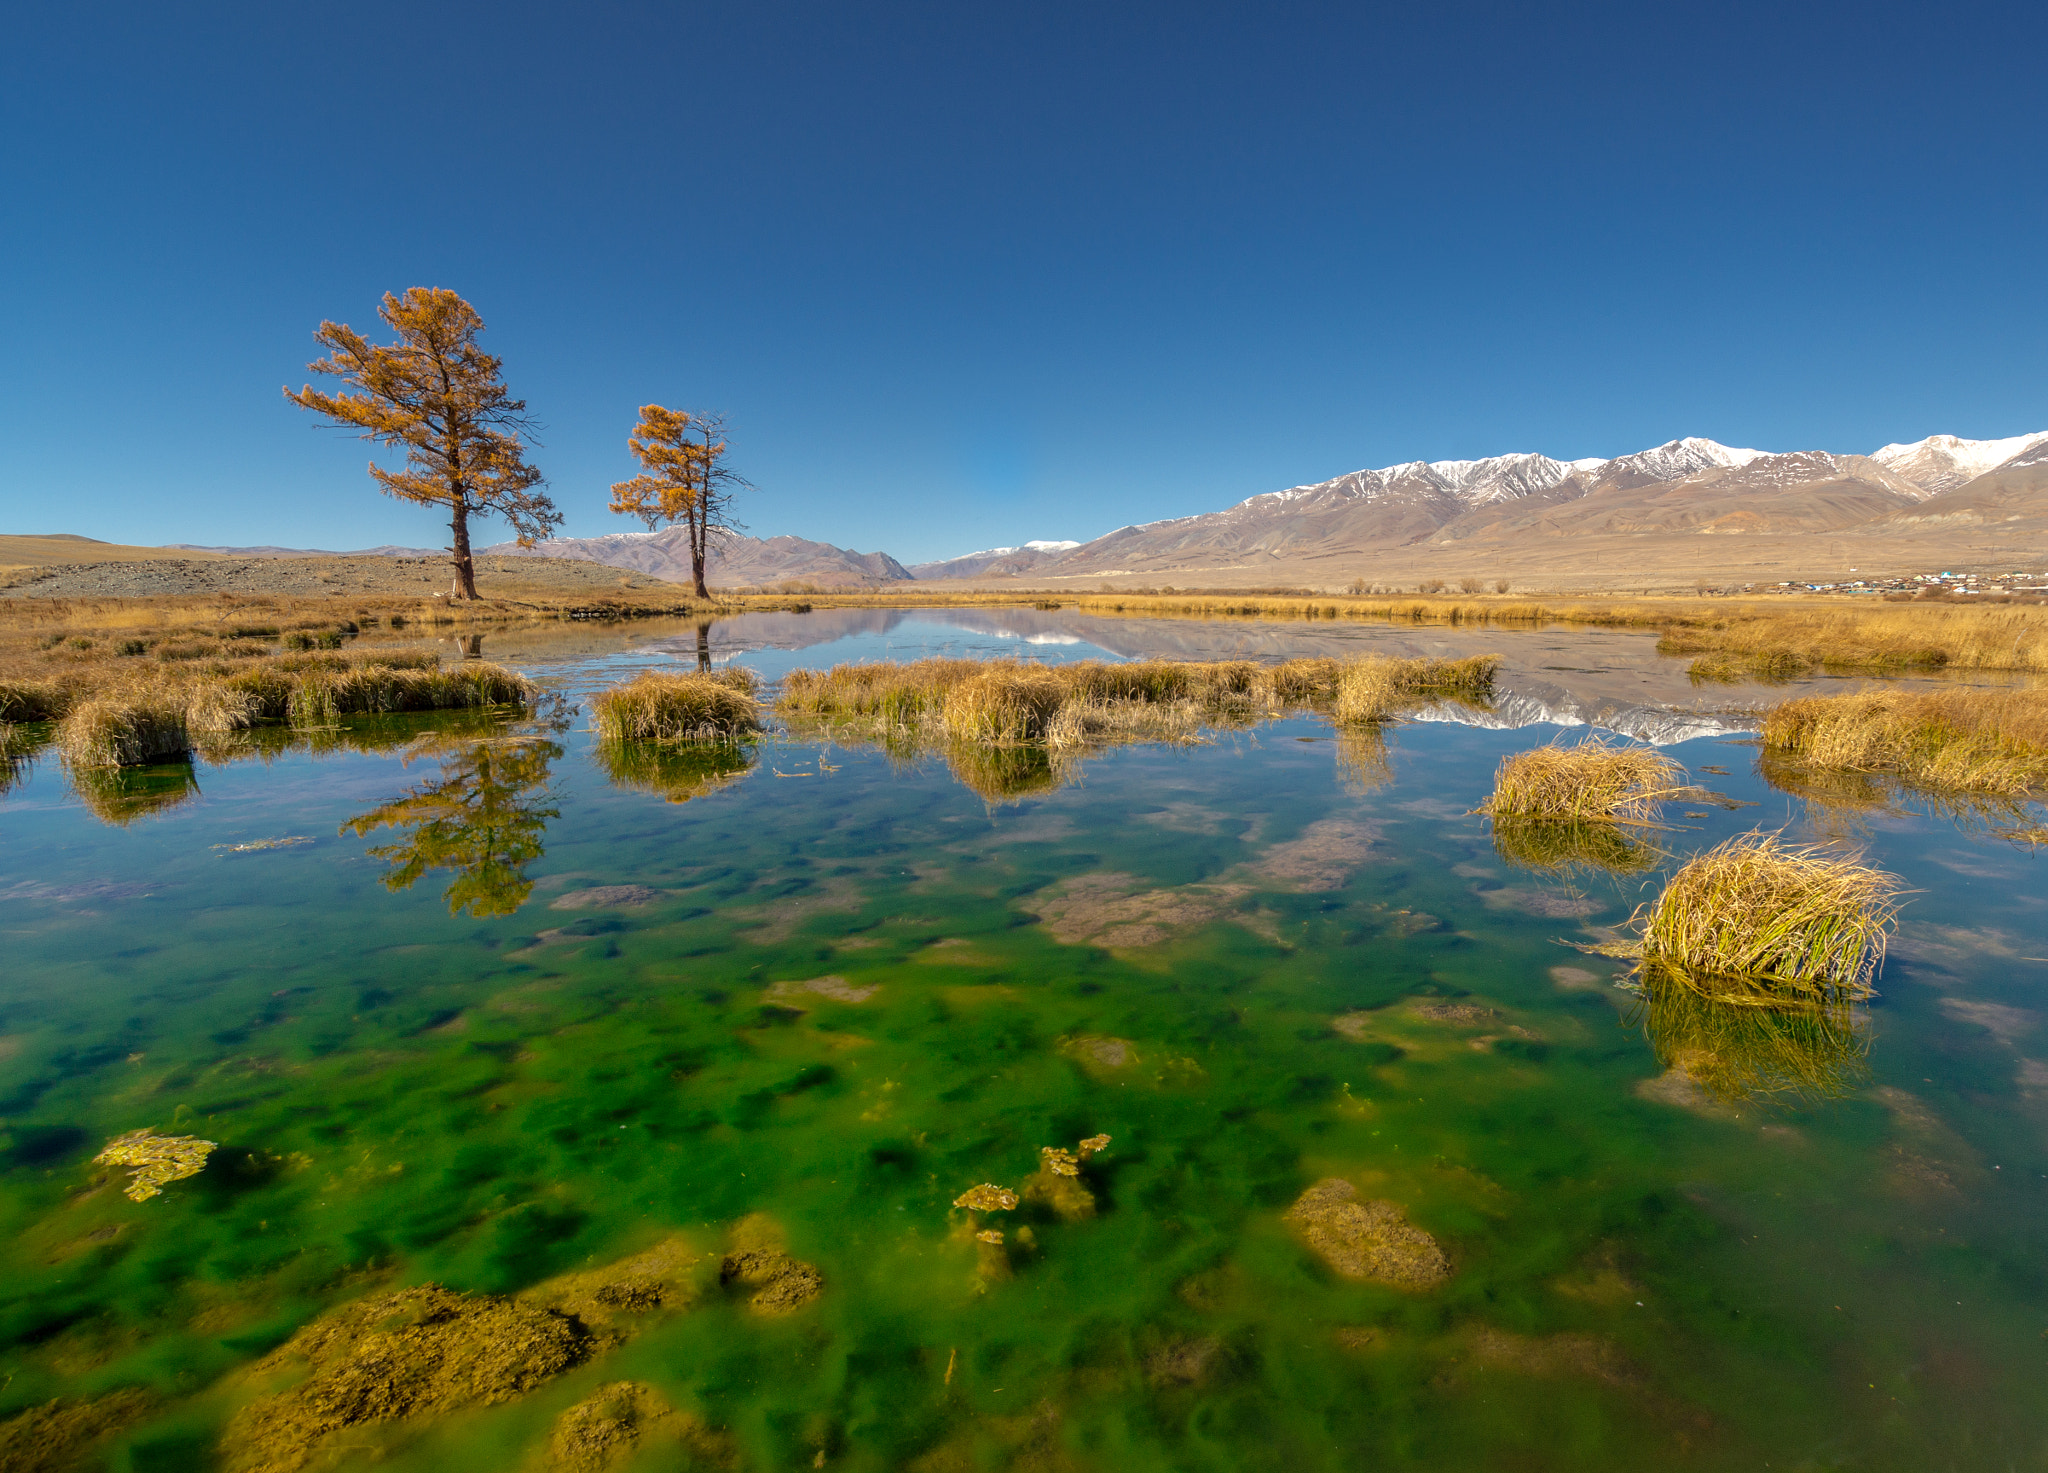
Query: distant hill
x=737, y=561
x=56, y=549
x=387, y=550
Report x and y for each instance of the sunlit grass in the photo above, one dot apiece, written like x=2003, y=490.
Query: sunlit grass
x=1979, y=741
x=663, y=707
x=1756, y=921
x=1380, y=687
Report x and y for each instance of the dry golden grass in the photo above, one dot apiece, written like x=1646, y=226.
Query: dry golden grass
x=1757, y=922
x=663, y=707
x=130, y=730
x=1004, y=704
x=1008, y=702
x=1590, y=781
x=1973, y=741
x=156, y=715
x=1377, y=688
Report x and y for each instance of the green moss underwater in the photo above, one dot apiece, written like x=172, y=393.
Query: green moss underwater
x=726, y=1035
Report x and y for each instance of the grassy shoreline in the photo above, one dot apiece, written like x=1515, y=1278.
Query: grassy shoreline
x=1732, y=638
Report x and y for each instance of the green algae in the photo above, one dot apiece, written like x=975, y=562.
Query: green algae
x=409, y=1095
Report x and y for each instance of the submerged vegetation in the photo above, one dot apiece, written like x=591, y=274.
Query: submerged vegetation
x=1757, y=921
x=154, y=1161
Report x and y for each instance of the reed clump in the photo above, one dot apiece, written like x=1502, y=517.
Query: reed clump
x=1977, y=741
x=1590, y=781
x=1756, y=921
x=1378, y=688
x=124, y=730
x=662, y=707
x=1004, y=704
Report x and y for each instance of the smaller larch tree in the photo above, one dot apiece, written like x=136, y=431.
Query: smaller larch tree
x=444, y=399
x=684, y=480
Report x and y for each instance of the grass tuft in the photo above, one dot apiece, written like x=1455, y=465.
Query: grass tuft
x=663, y=707
x=1377, y=688
x=128, y=729
x=1590, y=781
x=1005, y=704
x=1756, y=921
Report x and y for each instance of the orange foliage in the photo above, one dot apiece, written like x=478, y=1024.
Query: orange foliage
x=439, y=395
x=684, y=478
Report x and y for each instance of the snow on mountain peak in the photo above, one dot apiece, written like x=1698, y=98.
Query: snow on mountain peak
x=1943, y=462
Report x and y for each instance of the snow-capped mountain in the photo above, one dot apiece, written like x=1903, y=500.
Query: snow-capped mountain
x=1519, y=503
x=1943, y=462
x=1001, y=562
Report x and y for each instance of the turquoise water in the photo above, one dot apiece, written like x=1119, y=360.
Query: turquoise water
x=502, y=1018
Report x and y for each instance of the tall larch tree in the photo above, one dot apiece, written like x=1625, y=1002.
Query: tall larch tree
x=684, y=480
x=443, y=398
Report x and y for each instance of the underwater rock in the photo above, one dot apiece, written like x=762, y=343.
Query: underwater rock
x=1454, y=1012
x=1556, y=1355
x=656, y=1279
x=1182, y=1362
x=615, y=1421
x=1677, y=1087
x=1353, y=1025
x=56, y=1435
x=414, y=1353
x=1367, y=1240
x=1326, y=855
x=155, y=1160
x=606, y=897
x=1100, y=1050
x=1542, y=903
x=1110, y=910
x=781, y=1284
x=838, y=989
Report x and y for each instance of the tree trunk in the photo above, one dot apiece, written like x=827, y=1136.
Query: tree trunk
x=465, y=566
x=698, y=540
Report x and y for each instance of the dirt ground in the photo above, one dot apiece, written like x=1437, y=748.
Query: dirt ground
x=340, y=577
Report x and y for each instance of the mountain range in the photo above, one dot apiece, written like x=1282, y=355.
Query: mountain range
x=1689, y=508
x=1688, y=511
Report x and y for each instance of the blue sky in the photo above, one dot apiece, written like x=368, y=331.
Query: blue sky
x=968, y=275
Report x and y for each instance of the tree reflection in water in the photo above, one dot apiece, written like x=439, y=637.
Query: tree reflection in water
x=482, y=818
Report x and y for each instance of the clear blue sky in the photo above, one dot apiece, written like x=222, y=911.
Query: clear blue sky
x=969, y=274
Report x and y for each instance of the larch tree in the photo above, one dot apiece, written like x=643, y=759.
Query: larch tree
x=443, y=398
x=684, y=480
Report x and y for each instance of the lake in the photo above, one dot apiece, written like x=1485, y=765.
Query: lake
x=468, y=1001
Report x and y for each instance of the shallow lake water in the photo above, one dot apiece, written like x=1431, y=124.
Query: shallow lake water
x=509, y=1012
